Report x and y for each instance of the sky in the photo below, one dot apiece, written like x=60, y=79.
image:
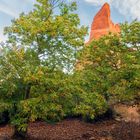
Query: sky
x=121, y=11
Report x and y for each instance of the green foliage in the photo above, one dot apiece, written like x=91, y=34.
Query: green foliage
x=90, y=106
x=111, y=65
x=5, y=108
x=54, y=107
x=55, y=38
x=42, y=45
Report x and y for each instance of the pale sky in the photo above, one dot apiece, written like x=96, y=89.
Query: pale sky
x=121, y=10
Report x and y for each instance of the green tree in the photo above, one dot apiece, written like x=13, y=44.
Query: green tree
x=40, y=46
x=111, y=64
x=54, y=37
x=43, y=40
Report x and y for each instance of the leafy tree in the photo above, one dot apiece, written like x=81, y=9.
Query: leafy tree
x=51, y=97
x=40, y=46
x=55, y=38
x=41, y=41
x=110, y=65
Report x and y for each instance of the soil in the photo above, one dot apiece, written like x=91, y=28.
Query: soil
x=128, y=113
x=125, y=127
x=75, y=129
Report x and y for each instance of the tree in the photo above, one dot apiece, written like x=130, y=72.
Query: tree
x=42, y=40
x=30, y=92
x=40, y=46
x=54, y=37
x=111, y=64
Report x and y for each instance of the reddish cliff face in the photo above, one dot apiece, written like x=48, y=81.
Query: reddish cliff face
x=102, y=24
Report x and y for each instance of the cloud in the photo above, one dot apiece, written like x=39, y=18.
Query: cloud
x=2, y=37
x=14, y=7
x=98, y=2
x=7, y=10
x=30, y=1
x=130, y=8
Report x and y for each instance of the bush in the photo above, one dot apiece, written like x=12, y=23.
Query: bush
x=42, y=108
x=91, y=106
x=5, y=109
x=54, y=107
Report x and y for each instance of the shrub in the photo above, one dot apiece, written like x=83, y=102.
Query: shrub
x=90, y=106
x=42, y=108
x=5, y=109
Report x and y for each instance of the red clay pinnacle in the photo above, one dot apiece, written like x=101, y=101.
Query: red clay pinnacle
x=102, y=24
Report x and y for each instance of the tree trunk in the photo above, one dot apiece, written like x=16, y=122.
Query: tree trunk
x=27, y=91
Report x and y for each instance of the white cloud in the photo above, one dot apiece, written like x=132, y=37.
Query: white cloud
x=30, y=1
x=7, y=10
x=130, y=8
x=2, y=37
x=14, y=7
x=98, y=2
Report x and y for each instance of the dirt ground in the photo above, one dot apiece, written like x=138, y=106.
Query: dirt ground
x=125, y=127
x=128, y=113
x=75, y=129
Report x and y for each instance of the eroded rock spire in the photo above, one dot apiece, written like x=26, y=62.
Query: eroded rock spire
x=102, y=23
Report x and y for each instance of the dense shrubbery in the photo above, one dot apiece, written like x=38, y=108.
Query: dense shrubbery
x=112, y=64
x=41, y=46
x=5, y=110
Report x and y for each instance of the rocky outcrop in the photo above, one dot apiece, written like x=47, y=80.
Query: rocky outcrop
x=102, y=24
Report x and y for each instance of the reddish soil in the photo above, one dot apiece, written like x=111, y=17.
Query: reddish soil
x=6, y=132
x=74, y=129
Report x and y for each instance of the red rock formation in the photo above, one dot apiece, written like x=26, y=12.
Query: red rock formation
x=102, y=24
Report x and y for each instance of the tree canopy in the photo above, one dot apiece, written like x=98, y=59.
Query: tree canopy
x=54, y=36
x=43, y=47
x=112, y=64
